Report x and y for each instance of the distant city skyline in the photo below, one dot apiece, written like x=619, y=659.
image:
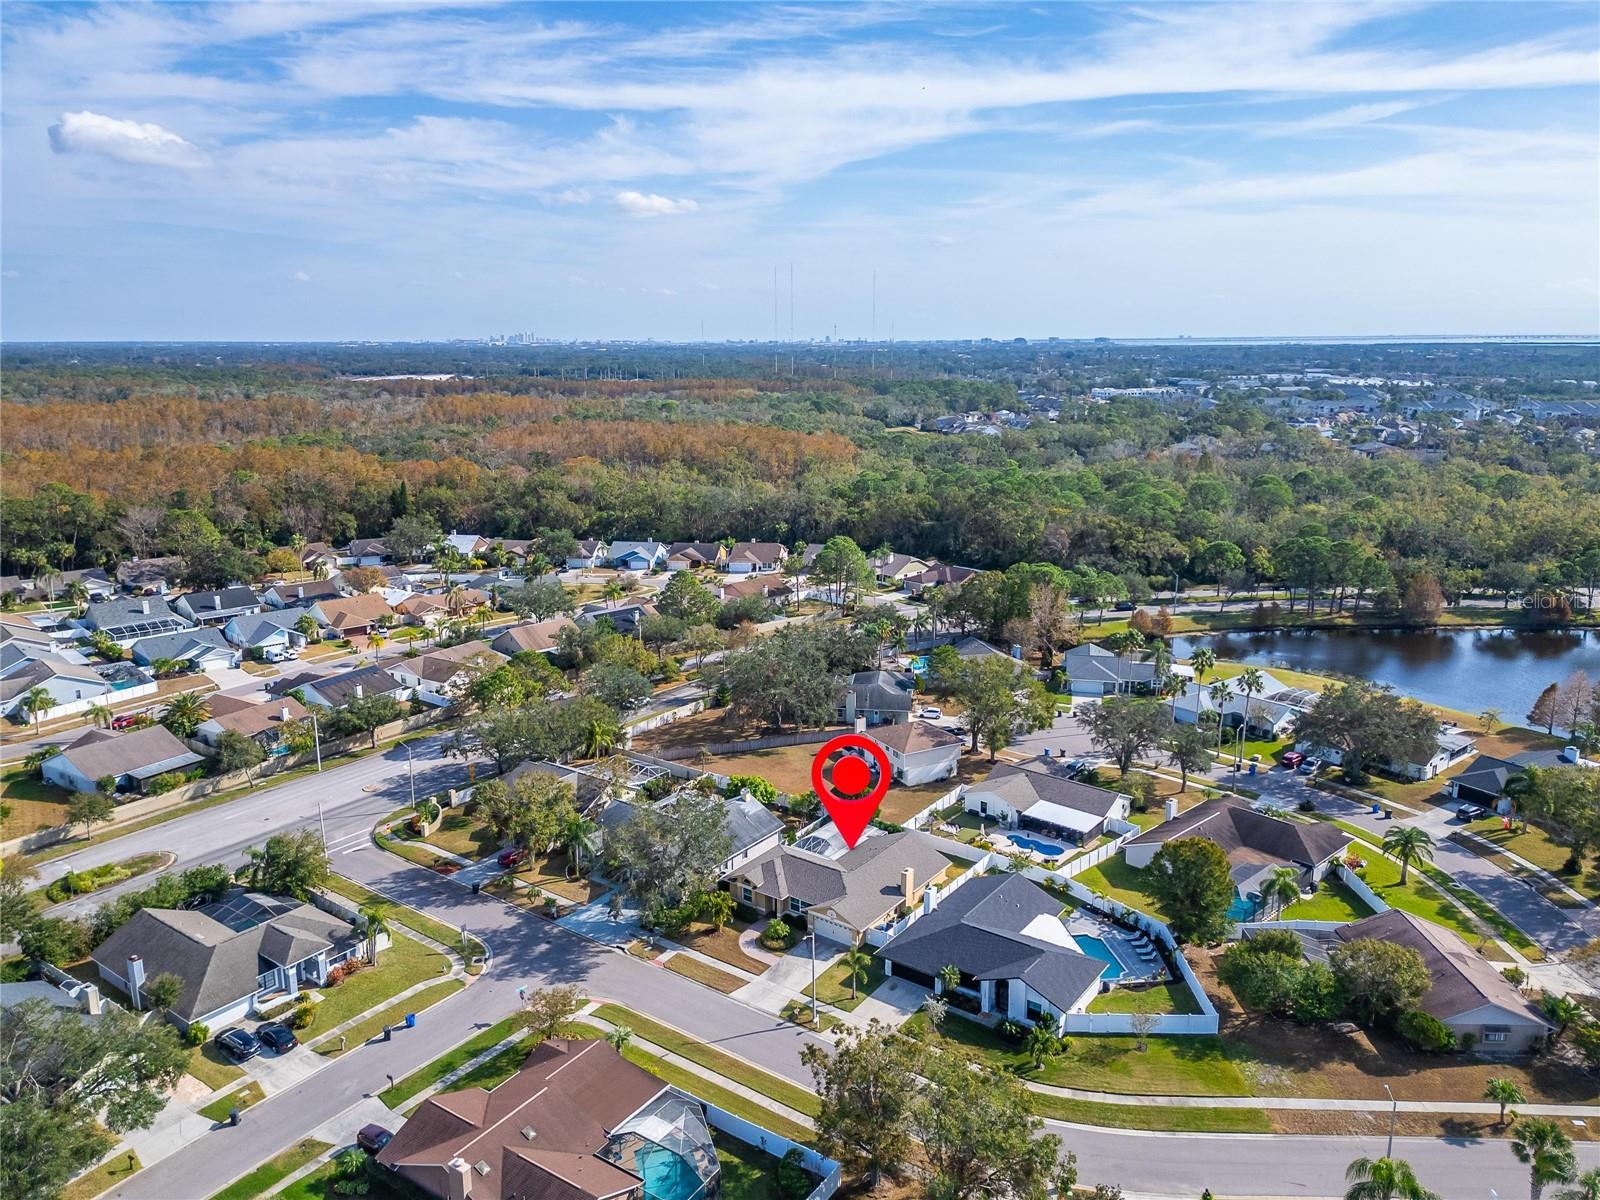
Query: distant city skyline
x=362, y=171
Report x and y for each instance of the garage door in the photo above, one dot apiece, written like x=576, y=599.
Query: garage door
x=834, y=931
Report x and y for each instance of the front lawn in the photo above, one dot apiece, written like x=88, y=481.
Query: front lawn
x=1541, y=849
x=1152, y=1117
x=1418, y=897
x=1116, y=879
x=102, y=1178
x=394, y=1016
x=1169, y=1066
x=451, y=1060
x=241, y=1099
x=270, y=1173
x=691, y=967
x=1332, y=901
x=406, y=962
x=721, y=944
x=1165, y=998
x=833, y=985
x=464, y=835
x=212, y=1067
x=550, y=873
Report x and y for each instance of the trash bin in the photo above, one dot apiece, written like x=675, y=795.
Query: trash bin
x=387, y=1033
x=411, y=1020
x=476, y=888
x=233, y=1115
x=1252, y=768
x=1375, y=810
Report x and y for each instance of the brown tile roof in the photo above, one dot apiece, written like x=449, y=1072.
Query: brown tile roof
x=535, y=635
x=350, y=611
x=251, y=717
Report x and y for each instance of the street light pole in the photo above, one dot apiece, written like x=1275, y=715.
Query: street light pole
x=1394, y=1109
x=411, y=767
x=323, y=824
x=316, y=738
x=814, y=1017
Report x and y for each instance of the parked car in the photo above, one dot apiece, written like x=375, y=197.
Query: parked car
x=278, y=654
x=1471, y=812
x=932, y=713
x=130, y=720
x=278, y=1038
x=1311, y=766
x=373, y=1138
x=239, y=1044
x=1293, y=758
x=514, y=857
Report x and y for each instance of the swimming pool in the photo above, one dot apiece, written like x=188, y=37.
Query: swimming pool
x=1095, y=948
x=1048, y=849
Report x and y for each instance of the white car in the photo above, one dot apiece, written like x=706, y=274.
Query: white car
x=932, y=713
x=280, y=654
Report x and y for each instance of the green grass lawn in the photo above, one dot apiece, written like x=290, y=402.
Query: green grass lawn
x=212, y=1067
x=1169, y=1066
x=747, y=1173
x=1164, y=998
x=240, y=1098
x=404, y=963
x=702, y=972
x=833, y=985
x=452, y=1060
x=464, y=835
x=269, y=1173
x=799, y=1011
x=1142, y=1116
x=1116, y=879
x=1332, y=902
x=1541, y=849
x=394, y=1016
x=102, y=1178
x=410, y=918
x=723, y=1063
x=730, y=1101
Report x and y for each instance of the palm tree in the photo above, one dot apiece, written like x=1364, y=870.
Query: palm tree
x=619, y=1036
x=162, y=667
x=1407, y=844
x=601, y=737
x=1220, y=693
x=858, y=966
x=1505, y=1093
x=950, y=977
x=185, y=713
x=1041, y=1043
x=1251, y=685
x=1384, y=1179
x=1281, y=889
x=578, y=837
x=372, y=914
x=307, y=627
x=1204, y=661
x=1588, y=1187
x=37, y=703
x=1519, y=789
x=1546, y=1150
x=77, y=593
x=100, y=714
x=1564, y=1011
x=613, y=591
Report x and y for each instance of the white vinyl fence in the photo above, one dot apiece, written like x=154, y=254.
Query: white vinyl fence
x=777, y=1145
x=1359, y=886
x=924, y=818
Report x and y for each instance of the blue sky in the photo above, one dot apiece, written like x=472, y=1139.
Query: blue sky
x=358, y=170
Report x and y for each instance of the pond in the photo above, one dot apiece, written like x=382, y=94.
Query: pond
x=1465, y=669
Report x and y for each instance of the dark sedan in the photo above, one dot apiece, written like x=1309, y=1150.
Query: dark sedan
x=277, y=1038
x=373, y=1138
x=238, y=1044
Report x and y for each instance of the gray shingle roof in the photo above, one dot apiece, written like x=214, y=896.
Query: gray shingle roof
x=1249, y=836
x=1023, y=785
x=860, y=885
x=884, y=691
x=184, y=644
x=99, y=752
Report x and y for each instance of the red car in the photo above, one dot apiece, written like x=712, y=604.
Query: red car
x=129, y=720
x=1293, y=758
x=514, y=857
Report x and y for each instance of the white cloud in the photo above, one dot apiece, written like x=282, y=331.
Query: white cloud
x=300, y=277
x=942, y=239
x=126, y=141
x=648, y=204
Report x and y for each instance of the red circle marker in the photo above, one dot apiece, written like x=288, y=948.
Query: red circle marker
x=851, y=774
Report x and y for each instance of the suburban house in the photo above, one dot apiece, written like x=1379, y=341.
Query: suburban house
x=918, y=752
x=841, y=893
x=1270, y=713
x=695, y=556
x=938, y=576
x=318, y=554
x=245, y=952
x=537, y=637
x=968, y=648
x=53, y=585
x=132, y=759
x=300, y=595
x=897, y=568
x=469, y=544
x=262, y=721
x=73, y=686
x=1005, y=935
x=878, y=697
x=351, y=616
x=126, y=619
x=587, y=555
x=1255, y=843
x=270, y=631
x=365, y=552
x=576, y=1122
x=625, y=615
x=1095, y=671
x=1451, y=746
x=217, y=607
x=637, y=556
x=148, y=576
x=749, y=585
x=442, y=675
x=755, y=558
x=1039, y=795
x=753, y=828
x=427, y=609
x=1466, y=992
x=201, y=649
x=1484, y=782
x=335, y=691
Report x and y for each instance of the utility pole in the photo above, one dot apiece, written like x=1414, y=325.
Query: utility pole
x=316, y=738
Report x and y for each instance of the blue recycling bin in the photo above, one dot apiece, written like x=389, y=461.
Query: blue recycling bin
x=1252, y=768
x=411, y=1020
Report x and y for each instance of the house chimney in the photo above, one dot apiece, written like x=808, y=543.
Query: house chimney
x=458, y=1179
x=360, y=691
x=930, y=897
x=135, y=978
x=861, y=724
x=1171, y=808
x=90, y=1000
x=144, y=607
x=283, y=713
x=216, y=601
x=300, y=592
x=908, y=883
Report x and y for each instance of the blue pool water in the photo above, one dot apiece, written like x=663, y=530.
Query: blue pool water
x=666, y=1176
x=1095, y=948
x=1242, y=909
x=1048, y=849
x=919, y=664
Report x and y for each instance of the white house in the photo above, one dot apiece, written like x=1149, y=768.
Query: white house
x=73, y=686
x=270, y=631
x=132, y=759
x=1451, y=746
x=1040, y=796
x=755, y=558
x=587, y=555
x=442, y=675
x=919, y=753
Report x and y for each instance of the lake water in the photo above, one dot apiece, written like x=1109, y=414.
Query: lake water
x=1465, y=669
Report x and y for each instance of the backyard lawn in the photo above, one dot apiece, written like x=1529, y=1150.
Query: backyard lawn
x=1161, y=999
x=1116, y=879
x=747, y=1173
x=1331, y=902
x=833, y=985
x=33, y=804
x=404, y=963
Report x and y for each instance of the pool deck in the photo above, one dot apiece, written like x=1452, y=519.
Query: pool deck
x=1122, y=945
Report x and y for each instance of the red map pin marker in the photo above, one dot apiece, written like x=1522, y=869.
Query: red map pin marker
x=851, y=798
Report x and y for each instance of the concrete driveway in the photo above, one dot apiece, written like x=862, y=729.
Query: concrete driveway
x=893, y=1003
x=789, y=978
